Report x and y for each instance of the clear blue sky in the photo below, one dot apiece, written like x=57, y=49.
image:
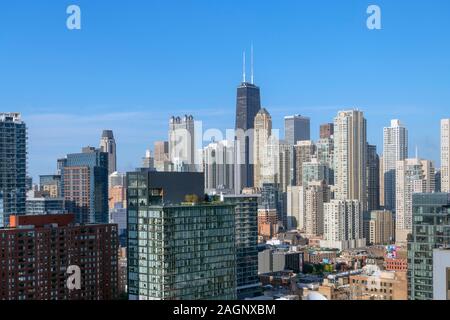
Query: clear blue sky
x=136, y=62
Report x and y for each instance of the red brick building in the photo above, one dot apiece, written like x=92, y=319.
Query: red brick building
x=36, y=251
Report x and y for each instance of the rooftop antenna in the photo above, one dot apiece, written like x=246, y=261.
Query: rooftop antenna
x=417, y=152
x=253, y=73
x=243, y=71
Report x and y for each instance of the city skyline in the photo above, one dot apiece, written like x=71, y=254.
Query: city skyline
x=313, y=65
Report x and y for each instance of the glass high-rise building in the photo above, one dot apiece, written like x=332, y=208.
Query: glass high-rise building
x=431, y=230
x=13, y=164
x=246, y=213
x=85, y=185
x=297, y=128
x=178, y=252
x=248, y=105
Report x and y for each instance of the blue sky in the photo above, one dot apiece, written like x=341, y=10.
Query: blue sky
x=136, y=62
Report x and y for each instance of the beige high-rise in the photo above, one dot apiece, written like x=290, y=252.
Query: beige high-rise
x=445, y=155
x=262, y=133
x=304, y=152
x=350, y=148
x=412, y=176
x=381, y=227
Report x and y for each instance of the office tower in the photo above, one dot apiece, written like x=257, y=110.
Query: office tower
x=325, y=155
x=373, y=178
x=108, y=145
x=350, y=152
x=117, y=179
x=395, y=148
x=304, y=152
x=441, y=274
x=381, y=174
x=412, y=176
x=326, y=131
x=148, y=161
x=430, y=230
x=179, y=251
x=50, y=244
x=343, y=225
x=285, y=169
x=161, y=154
x=381, y=227
x=261, y=135
x=445, y=155
x=13, y=164
x=218, y=162
x=85, y=185
x=246, y=213
x=182, y=144
x=248, y=104
x=50, y=185
x=313, y=171
x=297, y=128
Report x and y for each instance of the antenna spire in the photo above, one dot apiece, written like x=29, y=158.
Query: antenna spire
x=417, y=152
x=253, y=70
x=243, y=70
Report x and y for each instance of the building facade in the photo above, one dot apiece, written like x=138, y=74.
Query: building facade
x=32, y=269
x=218, y=166
x=13, y=164
x=445, y=155
x=297, y=128
x=431, y=230
x=395, y=148
x=108, y=145
x=85, y=185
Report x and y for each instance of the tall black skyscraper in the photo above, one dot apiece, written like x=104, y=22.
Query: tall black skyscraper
x=247, y=106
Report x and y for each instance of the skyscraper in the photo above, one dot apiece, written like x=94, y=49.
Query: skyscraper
x=304, y=152
x=412, y=176
x=373, y=178
x=108, y=145
x=395, y=146
x=262, y=133
x=85, y=185
x=13, y=164
x=182, y=144
x=430, y=230
x=218, y=162
x=197, y=241
x=246, y=213
x=343, y=225
x=445, y=155
x=248, y=104
x=350, y=147
x=381, y=227
x=297, y=128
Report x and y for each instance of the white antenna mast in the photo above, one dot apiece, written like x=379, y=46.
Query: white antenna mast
x=253, y=71
x=243, y=71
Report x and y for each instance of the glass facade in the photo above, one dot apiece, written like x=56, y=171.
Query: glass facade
x=178, y=252
x=246, y=211
x=13, y=164
x=431, y=230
